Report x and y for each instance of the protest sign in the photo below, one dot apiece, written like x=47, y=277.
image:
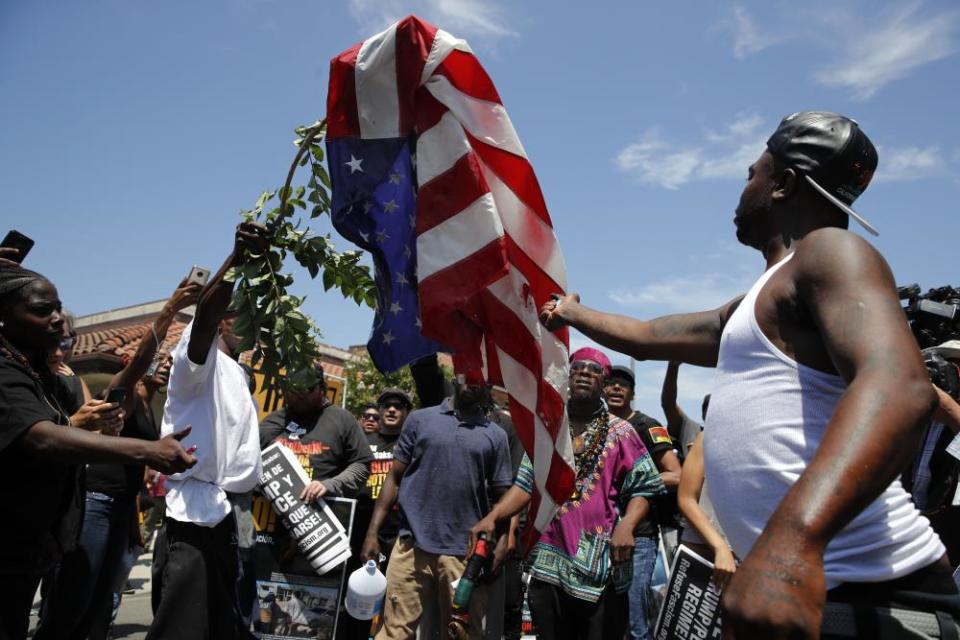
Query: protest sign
x=321, y=538
x=691, y=608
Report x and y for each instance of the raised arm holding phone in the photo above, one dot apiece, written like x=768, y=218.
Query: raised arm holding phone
x=208, y=389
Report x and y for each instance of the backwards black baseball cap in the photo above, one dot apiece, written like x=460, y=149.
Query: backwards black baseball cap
x=832, y=153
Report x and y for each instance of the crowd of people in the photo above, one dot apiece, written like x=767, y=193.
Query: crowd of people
x=820, y=405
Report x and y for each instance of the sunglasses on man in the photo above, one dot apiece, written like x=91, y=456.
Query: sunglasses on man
x=581, y=365
x=370, y=416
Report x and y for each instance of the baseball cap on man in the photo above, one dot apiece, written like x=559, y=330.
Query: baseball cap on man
x=831, y=151
x=394, y=392
x=623, y=372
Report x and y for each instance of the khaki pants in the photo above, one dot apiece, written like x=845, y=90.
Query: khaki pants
x=415, y=577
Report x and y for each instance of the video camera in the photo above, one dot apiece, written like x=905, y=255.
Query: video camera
x=934, y=318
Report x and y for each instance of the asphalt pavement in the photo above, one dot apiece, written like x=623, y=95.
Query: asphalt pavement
x=133, y=619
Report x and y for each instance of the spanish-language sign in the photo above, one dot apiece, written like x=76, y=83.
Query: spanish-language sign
x=691, y=608
x=319, y=535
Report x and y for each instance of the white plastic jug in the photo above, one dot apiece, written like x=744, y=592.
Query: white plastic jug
x=365, y=589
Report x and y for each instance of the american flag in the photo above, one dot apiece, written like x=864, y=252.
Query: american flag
x=429, y=176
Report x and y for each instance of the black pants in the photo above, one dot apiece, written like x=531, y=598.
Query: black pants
x=512, y=599
x=559, y=615
x=15, y=602
x=199, y=570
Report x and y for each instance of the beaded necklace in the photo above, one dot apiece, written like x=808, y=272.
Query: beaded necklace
x=594, y=437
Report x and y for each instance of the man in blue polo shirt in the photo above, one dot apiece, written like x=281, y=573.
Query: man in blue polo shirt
x=449, y=461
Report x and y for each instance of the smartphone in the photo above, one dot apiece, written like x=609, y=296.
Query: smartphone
x=198, y=275
x=16, y=240
x=117, y=394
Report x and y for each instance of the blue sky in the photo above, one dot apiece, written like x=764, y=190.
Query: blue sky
x=134, y=132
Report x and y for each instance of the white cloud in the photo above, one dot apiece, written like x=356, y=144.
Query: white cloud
x=654, y=162
x=460, y=17
x=747, y=38
x=891, y=48
x=720, y=155
x=909, y=163
x=695, y=292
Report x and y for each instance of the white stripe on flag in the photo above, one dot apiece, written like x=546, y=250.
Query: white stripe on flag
x=534, y=237
x=378, y=102
x=458, y=237
x=519, y=381
x=553, y=361
x=443, y=44
x=518, y=378
x=439, y=148
x=486, y=121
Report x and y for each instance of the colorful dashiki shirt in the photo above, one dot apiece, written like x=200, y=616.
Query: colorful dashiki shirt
x=573, y=552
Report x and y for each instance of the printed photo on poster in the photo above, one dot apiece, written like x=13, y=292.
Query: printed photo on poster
x=295, y=610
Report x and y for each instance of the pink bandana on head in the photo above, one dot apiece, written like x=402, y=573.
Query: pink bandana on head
x=593, y=355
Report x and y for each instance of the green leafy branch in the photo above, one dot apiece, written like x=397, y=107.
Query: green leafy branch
x=269, y=319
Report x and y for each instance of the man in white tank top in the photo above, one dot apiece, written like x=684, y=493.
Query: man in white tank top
x=818, y=371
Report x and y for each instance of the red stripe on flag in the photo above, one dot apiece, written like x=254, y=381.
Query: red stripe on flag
x=515, y=172
x=413, y=43
x=342, y=116
x=513, y=338
x=449, y=193
x=429, y=110
x=464, y=72
x=542, y=285
x=452, y=287
x=560, y=480
x=523, y=423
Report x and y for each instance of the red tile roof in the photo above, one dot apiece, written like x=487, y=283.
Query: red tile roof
x=123, y=341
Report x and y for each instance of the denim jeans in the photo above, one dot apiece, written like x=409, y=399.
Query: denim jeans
x=82, y=595
x=644, y=558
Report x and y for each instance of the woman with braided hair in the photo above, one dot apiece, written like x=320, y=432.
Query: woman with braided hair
x=39, y=452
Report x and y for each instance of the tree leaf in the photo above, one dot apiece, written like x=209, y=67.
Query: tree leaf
x=321, y=173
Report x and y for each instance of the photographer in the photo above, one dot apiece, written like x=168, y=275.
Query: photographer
x=932, y=479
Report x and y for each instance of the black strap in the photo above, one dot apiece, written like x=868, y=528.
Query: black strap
x=867, y=621
x=948, y=626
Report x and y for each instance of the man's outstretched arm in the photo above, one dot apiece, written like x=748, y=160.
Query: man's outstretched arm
x=216, y=295
x=689, y=337
x=849, y=290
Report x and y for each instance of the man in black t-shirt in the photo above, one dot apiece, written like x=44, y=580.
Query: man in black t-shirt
x=619, y=394
x=324, y=436
x=394, y=406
